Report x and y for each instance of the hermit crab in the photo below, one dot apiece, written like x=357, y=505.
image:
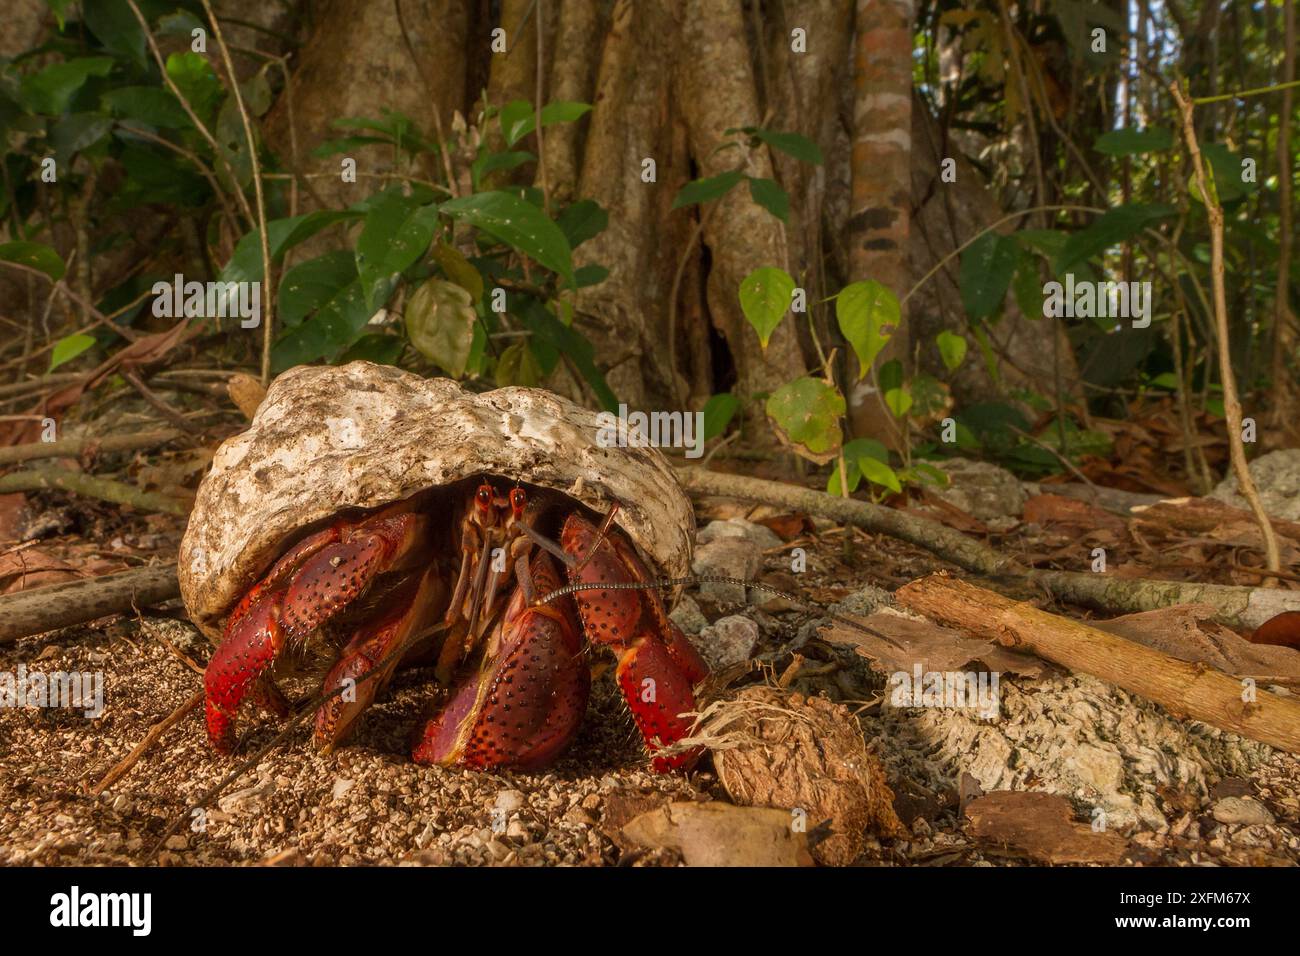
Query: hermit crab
x=391, y=519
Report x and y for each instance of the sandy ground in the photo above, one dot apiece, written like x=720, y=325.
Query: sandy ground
x=368, y=804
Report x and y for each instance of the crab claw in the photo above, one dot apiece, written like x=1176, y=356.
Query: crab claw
x=307, y=587
x=524, y=701
x=375, y=646
x=657, y=666
x=252, y=641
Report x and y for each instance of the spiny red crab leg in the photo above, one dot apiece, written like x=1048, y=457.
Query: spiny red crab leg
x=304, y=589
x=375, y=647
x=528, y=695
x=658, y=667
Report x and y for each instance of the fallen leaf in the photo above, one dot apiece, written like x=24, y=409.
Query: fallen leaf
x=934, y=647
x=246, y=392
x=13, y=516
x=1190, y=633
x=1051, y=510
x=721, y=834
x=1282, y=630
x=1042, y=827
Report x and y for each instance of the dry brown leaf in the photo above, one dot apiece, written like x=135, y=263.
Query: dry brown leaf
x=1042, y=827
x=934, y=647
x=246, y=392
x=1050, y=510
x=1190, y=633
x=13, y=516
x=721, y=834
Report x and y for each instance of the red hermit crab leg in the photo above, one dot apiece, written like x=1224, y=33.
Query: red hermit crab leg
x=304, y=589
x=525, y=700
x=658, y=667
x=374, y=646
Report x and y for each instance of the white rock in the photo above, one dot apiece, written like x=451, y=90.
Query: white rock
x=1244, y=810
x=729, y=640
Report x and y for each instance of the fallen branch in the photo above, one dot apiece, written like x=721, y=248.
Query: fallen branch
x=76, y=447
x=76, y=602
x=1239, y=607
x=1184, y=689
x=120, y=769
x=105, y=489
x=943, y=541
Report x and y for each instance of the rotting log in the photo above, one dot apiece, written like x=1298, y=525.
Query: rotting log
x=1183, y=688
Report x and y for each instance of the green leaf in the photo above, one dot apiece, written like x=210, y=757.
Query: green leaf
x=76, y=132
x=35, y=255
x=519, y=224
x=868, y=313
x=899, y=401
x=115, y=26
x=583, y=220
x=589, y=275
x=771, y=197
x=335, y=326
x=764, y=298
x=1131, y=141
x=518, y=366
x=490, y=163
x=1027, y=286
x=985, y=273
x=952, y=348
x=706, y=190
x=51, y=90
x=440, y=322
x=376, y=347
x=718, y=412
x=311, y=284
x=794, y=144
x=806, y=413
x=66, y=349
x=245, y=263
x=147, y=104
x=396, y=233
x=60, y=10
x=194, y=77
x=852, y=451
x=572, y=344
x=459, y=270
x=879, y=473
x=518, y=118
x=1109, y=229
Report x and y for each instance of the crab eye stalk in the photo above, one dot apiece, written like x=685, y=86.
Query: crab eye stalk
x=483, y=497
x=518, y=499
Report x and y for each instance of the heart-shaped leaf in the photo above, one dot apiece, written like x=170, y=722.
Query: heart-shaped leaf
x=952, y=348
x=764, y=298
x=868, y=313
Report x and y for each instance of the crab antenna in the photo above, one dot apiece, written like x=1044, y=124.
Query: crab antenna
x=716, y=579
